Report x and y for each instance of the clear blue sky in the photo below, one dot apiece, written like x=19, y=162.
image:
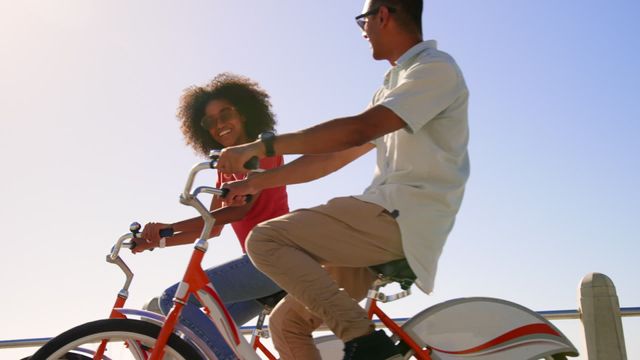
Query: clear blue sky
x=89, y=140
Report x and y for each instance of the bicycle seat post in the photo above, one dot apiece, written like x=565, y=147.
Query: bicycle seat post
x=268, y=302
x=394, y=271
x=259, y=331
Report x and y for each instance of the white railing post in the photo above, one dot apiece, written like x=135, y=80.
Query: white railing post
x=600, y=315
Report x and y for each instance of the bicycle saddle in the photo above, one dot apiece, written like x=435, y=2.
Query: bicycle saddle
x=272, y=300
x=396, y=270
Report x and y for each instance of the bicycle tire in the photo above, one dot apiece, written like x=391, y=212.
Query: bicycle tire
x=67, y=356
x=128, y=339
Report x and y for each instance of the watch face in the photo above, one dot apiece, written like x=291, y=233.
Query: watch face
x=267, y=135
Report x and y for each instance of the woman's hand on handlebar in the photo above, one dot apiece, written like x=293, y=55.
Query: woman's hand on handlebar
x=149, y=237
x=151, y=231
x=142, y=244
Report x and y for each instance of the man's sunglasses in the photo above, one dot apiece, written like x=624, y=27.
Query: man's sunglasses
x=361, y=19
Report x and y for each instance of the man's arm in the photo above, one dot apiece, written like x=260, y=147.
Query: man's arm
x=304, y=169
x=340, y=134
x=329, y=137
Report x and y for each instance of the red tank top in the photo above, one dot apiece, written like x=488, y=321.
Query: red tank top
x=269, y=204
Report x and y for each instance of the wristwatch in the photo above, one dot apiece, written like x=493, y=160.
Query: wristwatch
x=267, y=138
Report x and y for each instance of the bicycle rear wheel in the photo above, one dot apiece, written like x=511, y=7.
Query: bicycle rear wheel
x=127, y=339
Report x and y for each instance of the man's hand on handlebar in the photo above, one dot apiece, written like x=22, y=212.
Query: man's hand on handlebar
x=237, y=192
x=234, y=158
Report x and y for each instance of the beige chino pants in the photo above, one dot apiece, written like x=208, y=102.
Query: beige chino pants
x=346, y=232
x=291, y=324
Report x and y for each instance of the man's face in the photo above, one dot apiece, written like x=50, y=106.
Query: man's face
x=370, y=30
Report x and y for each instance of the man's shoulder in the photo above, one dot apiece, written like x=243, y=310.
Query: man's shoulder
x=433, y=55
x=434, y=60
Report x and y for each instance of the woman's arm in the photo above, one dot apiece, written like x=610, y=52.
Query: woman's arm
x=187, y=231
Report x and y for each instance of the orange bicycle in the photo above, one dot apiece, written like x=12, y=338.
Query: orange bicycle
x=468, y=328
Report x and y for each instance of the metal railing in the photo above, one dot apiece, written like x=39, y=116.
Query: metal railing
x=246, y=330
x=575, y=314
x=593, y=314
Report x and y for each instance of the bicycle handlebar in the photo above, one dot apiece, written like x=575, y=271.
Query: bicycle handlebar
x=115, y=250
x=251, y=164
x=166, y=232
x=188, y=198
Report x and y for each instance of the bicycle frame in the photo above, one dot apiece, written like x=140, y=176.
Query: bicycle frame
x=418, y=351
x=195, y=282
x=372, y=309
x=532, y=328
x=119, y=312
x=522, y=331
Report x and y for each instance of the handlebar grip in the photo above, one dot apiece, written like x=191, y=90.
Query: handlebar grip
x=252, y=163
x=166, y=232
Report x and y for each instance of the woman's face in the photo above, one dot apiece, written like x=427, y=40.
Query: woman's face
x=224, y=123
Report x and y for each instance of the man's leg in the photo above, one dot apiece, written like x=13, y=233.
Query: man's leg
x=291, y=324
x=344, y=232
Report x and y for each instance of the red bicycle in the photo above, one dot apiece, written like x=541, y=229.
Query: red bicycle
x=468, y=328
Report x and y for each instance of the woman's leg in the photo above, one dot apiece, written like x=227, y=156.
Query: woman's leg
x=238, y=283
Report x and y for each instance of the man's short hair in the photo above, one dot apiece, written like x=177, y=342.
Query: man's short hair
x=408, y=12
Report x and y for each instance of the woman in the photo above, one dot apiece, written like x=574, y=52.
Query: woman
x=230, y=110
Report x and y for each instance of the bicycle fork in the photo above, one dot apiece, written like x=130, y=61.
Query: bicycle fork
x=191, y=280
x=195, y=282
x=123, y=294
x=120, y=300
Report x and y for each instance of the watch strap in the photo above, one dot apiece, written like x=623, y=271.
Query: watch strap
x=267, y=138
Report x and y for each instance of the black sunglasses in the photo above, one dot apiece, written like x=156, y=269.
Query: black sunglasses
x=225, y=115
x=361, y=19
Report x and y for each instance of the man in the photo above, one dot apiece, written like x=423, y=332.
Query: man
x=417, y=121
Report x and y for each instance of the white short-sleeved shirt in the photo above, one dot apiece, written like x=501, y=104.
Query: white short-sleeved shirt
x=422, y=168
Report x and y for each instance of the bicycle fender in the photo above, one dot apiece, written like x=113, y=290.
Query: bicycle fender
x=482, y=328
x=180, y=329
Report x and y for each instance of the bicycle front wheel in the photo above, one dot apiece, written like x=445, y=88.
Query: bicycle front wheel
x=126, y=339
